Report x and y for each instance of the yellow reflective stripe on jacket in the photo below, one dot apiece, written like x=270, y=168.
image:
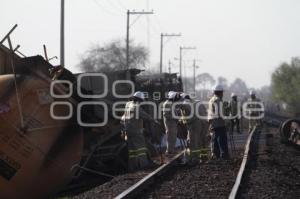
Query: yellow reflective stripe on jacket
x=204, y=152
x=195, y=151
x=200, y=151
x=138, y=155
x=137, y=152
x=144, y=149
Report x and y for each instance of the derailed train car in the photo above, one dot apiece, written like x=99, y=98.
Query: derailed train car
x=35, y=148
x=41, y=138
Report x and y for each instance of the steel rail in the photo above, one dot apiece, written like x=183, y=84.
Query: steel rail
x=143, y=183
x=235, y=189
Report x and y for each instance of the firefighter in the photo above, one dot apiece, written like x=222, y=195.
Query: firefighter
x=217, y=128
x=133, y=126
x=197, y=129
x=234, y=113
x=170, y=122
x=253, y=112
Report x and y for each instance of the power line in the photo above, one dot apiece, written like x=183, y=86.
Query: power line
x=135, y=20
x=154, y=29
x=158, y=23
x=161, y=47
x=122, y=5
x=129, y=13
x=155, y=35
x=105, y=9
x=177, y=42
x=183, y=48
x=62, y=33
x=120, y=9
x=148, y=28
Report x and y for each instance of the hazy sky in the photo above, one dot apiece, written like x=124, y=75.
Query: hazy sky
x=234, y=38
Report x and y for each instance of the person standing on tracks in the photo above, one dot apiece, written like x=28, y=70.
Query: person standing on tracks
x=234, y=113
x=170, y=122
x=219, y=146
x=197, y=129
x=253, y=111
x=132, y=120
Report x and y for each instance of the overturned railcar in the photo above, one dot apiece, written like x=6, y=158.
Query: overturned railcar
x=35, y=148
x=46, y=137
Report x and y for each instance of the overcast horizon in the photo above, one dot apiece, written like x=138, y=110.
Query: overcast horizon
x=246, y=39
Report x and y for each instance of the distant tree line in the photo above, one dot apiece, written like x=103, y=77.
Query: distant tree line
x=112, y=57
x=286, y=85
x=205, y=83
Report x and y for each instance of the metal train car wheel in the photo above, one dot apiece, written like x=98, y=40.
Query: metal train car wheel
x=289, y=131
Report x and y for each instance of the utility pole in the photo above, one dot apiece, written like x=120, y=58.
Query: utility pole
x=45, y=53
x=127, y=31
x=127, y=39
x=148, y=24
x=195, y=67
x=162, y=46
x=62, y=34
x=180, y=57
x=170, y=65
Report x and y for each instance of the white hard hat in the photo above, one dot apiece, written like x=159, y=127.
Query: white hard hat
x=252, y=92
x=233, y=95
x=171, y=94
x=139, y=94
x=183, y=95
x=218, y=87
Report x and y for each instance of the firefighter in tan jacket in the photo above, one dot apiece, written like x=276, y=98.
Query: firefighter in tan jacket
x=170, y=121
x=193, y=116
x=132, y=120
x=254, y=111
x=217, y=127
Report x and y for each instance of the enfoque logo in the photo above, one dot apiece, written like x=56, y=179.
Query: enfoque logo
x=248, y=110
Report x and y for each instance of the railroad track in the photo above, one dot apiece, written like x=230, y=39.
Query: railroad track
x=147, y=184
x=206, y=180
x=122, y=182
x=276, y=166
x=249, y=148
x=137, y=188
x=141, y=188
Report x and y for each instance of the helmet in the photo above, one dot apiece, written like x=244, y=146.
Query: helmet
x=171, y=94
x=184, y=95
x=218, y=87
x=233, y=95
x=252, y=92
x=139, y=94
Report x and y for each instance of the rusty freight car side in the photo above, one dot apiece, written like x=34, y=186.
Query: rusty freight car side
x=34, y=147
